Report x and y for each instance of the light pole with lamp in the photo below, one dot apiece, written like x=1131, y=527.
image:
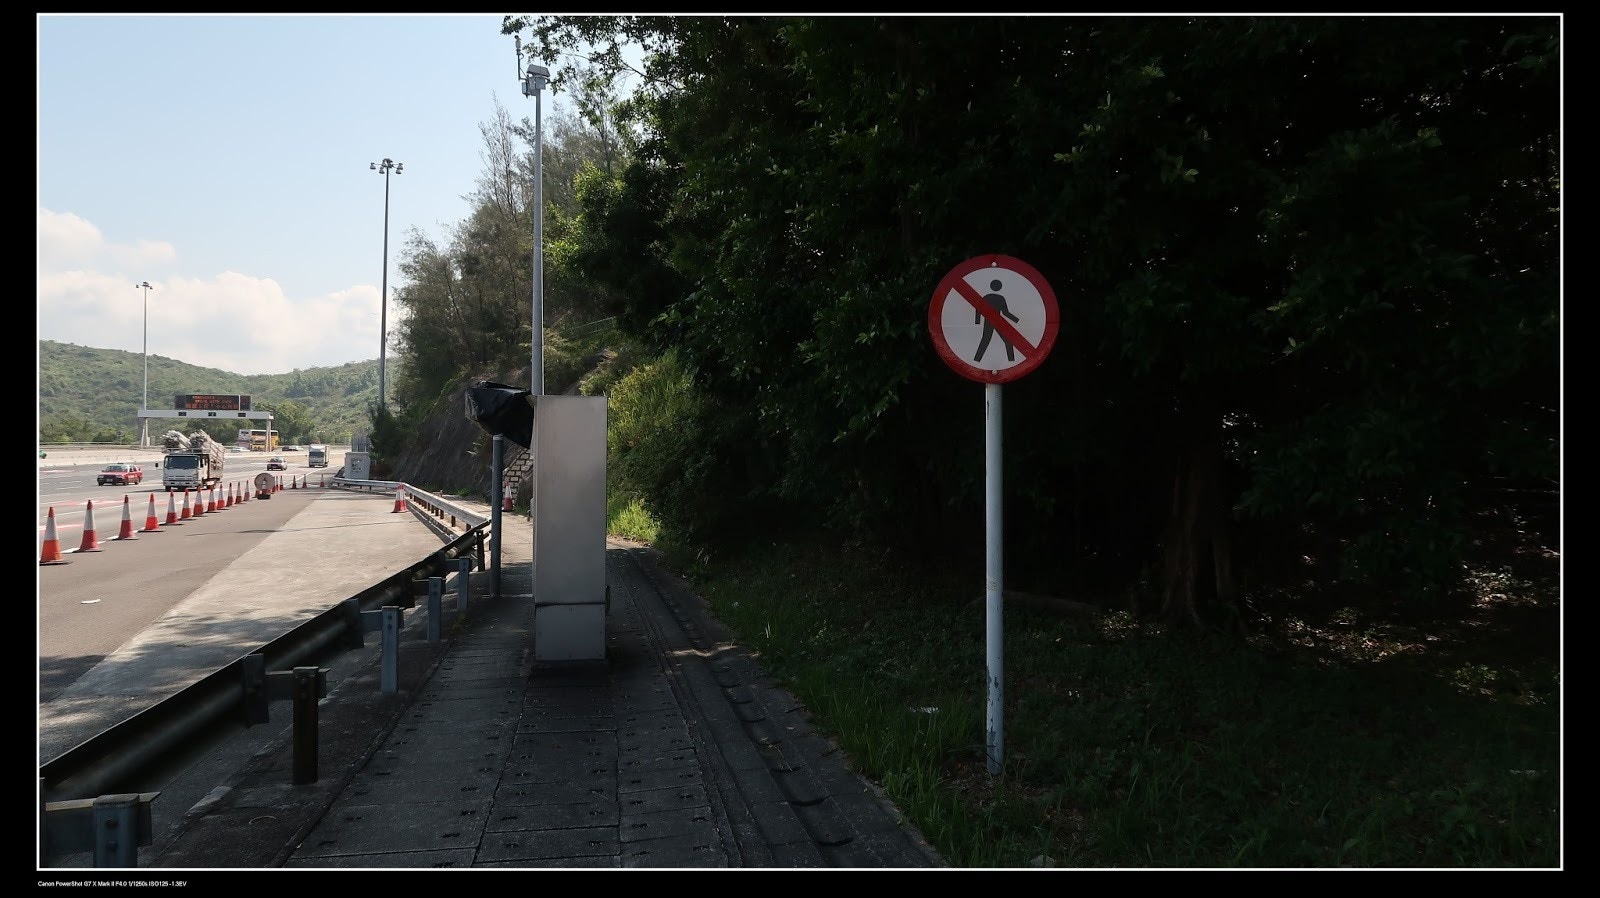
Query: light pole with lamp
x=144, y=403
x=399, y=168
x=532, y=86
x=533, y=82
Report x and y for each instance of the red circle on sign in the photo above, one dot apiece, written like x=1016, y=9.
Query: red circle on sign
x=956, y=281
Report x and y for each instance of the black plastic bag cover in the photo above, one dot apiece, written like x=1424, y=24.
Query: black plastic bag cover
x=502, y=410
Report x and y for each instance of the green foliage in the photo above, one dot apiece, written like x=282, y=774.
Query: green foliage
x=388, y=435
x=1332, y=241
x=93, y=395
x=627, y=517
x=468, y=302
x=656, y=423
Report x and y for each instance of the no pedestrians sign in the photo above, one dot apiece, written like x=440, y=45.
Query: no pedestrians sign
x=993, y=318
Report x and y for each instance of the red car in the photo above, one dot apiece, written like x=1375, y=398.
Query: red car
x=120, y=475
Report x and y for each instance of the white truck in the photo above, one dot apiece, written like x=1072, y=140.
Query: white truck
x=191, y=462
x=317, y=455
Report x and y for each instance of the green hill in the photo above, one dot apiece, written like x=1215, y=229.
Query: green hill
x=92, y=395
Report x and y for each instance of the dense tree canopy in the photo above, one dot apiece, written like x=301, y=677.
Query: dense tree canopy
x=1308, y=270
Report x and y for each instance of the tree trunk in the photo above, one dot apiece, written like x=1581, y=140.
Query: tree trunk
x=1197, y=534
x=1183, y=547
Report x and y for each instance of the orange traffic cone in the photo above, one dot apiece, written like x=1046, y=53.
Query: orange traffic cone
x=199, y=502
x=91, y=539
x=51, y=553
x=187, y=514
x=172, y=508
x=126, y=530
x=151, y=525
x=243, y=489
x=211, y=499
x=399, y=498
x=228, y=502
x=294, y=483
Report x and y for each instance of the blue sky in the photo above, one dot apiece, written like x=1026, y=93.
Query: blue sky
x=224, y=159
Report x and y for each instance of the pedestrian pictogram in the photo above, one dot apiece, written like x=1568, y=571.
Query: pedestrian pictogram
x=993, y=318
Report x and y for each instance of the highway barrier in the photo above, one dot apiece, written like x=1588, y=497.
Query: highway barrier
x=90, y=797
x=170, y=734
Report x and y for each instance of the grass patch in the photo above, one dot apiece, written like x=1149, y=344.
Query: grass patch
x=627, y=517
x=1344, y=742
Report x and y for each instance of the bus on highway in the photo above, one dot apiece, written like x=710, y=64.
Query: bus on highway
x=258, y=439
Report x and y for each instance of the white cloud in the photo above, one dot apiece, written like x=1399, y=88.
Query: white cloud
x=235, y=322
x=145, y=253
x=66, y=241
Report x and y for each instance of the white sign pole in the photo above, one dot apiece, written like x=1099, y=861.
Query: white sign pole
x=1020, y=307
x=993, y=576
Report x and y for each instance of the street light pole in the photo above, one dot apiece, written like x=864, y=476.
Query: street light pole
x=533, y=85
x=399, y=168
x=144, y=403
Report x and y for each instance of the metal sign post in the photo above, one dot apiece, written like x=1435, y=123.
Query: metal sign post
x=980, y=300
x=993, y=577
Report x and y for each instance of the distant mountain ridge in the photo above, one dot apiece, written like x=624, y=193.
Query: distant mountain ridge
x=93, y=395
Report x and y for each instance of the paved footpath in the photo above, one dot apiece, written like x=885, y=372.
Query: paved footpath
x=674, y=752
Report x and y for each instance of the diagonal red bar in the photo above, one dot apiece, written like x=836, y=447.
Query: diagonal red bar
x=991, y=315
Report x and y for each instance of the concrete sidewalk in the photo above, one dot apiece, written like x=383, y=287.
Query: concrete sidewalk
x=674, y=752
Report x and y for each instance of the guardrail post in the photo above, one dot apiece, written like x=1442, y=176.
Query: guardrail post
x=435, y=607
x=44, y=830
x=350, y=610
x=389, y=679
x=253, y=676
x=116, y=831
x=306, y=694
x=463, y=581
x=386, y=622
x=305, y=685
x=112, y=827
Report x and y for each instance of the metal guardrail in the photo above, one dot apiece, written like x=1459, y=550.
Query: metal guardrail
x=127, y=755
x=440, y=506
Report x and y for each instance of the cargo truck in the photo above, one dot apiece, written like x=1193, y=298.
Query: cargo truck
x=317, y=456
x=191, y=462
